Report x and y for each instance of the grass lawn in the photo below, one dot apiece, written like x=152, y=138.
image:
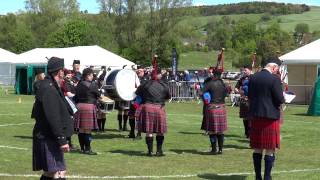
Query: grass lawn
x=185, y=145
x=201, y=60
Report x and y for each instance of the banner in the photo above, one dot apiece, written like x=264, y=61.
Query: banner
x=174, y=63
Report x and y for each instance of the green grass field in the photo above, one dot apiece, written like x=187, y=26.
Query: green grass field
x=200, y=60
x=185, y=147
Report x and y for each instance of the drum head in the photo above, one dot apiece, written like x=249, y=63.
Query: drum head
x=126, y=83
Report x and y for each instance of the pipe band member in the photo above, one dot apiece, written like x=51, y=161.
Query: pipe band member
x=242, y=88
x=151, y=115
x=87, y=94
x=53, y=124
x=215, y=115
x=265, y=98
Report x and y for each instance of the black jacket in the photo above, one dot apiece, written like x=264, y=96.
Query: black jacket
x=154, y=92
x=52, y=113
x=87, y=92
x=265, y=95
x=217, y=90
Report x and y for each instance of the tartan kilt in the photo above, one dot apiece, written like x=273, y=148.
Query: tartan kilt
x=244, y=108
x=151, y=118
x=86, y=117
x=264, y=133
x=47, y=155
x=215, y=119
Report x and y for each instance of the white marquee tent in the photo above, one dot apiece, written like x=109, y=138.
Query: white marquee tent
x=28, y=62
x=303, y=70
x=7, y=69
x=88, y=55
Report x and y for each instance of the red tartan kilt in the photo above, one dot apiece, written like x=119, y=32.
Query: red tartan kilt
x=86, y=117
x=264, y=133
x=244, y=110
x=215, y=119
x=151, y=118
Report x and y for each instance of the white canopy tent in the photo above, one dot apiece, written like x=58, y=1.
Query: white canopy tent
x=7, y=69
x=88, y=56
x=28, y=62
x=303, y=70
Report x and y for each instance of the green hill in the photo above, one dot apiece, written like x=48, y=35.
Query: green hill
x=200, y=60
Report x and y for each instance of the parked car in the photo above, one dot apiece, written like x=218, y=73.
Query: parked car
x=233, y=75
x=224, y=75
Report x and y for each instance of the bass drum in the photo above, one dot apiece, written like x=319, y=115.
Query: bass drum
x=122, y=84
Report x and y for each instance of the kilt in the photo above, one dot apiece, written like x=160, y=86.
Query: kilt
x=151, y=118
x=244, y=108
x=215, y=118
x=86, y=117
x=264, y=133
x=47, y=156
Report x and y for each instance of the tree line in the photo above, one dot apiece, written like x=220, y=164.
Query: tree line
x=136, y=29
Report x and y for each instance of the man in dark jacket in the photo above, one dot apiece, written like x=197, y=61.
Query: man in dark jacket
x=265, y=97
x=53, y=124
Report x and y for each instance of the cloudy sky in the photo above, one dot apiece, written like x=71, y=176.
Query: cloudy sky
x=7, y=6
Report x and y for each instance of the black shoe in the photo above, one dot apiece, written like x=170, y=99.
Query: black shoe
x=89, y=152
x=149, y=154
x=131, y=136
x=160, y=153
x=219, y=152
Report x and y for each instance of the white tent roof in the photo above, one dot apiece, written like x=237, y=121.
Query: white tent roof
x=308, y=54
x=7, y=56
x=88, y=56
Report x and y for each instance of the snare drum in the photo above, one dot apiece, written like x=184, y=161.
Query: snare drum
x=122, y=105
x=122, y=84
x=106, y=104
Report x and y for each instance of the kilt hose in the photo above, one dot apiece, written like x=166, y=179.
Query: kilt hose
x=47, y=155
x=264, y=133
x=86, y=117
x=151, y=118
x=244, y=108
x=215, y=119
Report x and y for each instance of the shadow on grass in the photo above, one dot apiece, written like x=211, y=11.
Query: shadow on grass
x=236, y=146
x=190, y=133
x=129, y=153
x=220, y=177
x=108, y=136
x=190, y=151
x=23, y=137
x=232, y=136
x=301, y=114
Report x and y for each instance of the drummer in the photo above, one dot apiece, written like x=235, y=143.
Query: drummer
x=151, y=115
x=101, y=116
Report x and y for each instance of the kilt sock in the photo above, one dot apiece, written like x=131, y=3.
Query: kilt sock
x=45, y=178
x=213, y=141
x=149, y=142
x=103, y=123
x=81, y=140
x=87, y=145
x=132, y=124
x=120, y=121
x=246, y=127
x=160, y=140
x=257, y=157
x=99, y=124
x=125, y=120
x=268, y=164
x=220, y=142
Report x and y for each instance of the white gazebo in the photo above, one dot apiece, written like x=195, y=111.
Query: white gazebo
x=29, y=61
x=7, y=69
x=303, y=70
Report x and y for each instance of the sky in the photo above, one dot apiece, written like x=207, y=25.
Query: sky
x=12, y=6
